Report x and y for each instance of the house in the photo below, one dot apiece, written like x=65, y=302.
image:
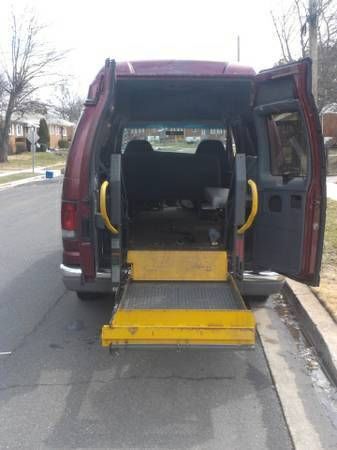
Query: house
x=174, y=134
x=59, y=130
x=17, y=140
x=329, y=125
x=21, y=126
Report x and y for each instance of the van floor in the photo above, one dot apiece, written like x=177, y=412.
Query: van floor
x=174, y=228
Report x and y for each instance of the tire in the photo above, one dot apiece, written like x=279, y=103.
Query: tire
x=90, y=296
x=256, y=298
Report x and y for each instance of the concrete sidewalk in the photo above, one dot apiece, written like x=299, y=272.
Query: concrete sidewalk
x=331, y=188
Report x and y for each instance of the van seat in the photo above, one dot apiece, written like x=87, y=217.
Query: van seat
x=138, y=146
x=211, y=147
x=215, y=149
x=159, y=176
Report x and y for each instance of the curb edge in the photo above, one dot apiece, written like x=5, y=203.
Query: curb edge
x=316, y=323
x=11, y=184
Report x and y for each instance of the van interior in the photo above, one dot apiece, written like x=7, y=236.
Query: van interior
x=177, y=141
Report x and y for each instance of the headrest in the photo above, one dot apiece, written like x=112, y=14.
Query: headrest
x=138, y=146
x=210, y=146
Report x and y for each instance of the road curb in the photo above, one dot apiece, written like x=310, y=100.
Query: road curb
x=316, y=324
x=40, y=177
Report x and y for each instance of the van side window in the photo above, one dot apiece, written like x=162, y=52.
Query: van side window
x=288, y=144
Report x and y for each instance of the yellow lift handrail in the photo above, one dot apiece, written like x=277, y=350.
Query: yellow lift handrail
x=253, y=211
x=102, y=207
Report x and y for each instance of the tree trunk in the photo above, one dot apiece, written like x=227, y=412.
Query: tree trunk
x=4, y=147
x=4, y=131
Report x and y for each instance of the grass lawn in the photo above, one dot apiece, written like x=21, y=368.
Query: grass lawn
x=24, y=160
x=16, y=177
x=327, y=291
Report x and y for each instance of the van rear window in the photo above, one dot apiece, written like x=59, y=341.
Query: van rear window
x=173, y=139
x=288, y=144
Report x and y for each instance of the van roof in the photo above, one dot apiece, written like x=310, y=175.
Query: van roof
x=181, y=68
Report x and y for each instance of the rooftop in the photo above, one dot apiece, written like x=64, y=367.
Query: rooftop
x=181, y=68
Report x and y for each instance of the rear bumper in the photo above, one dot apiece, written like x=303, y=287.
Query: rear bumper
x=73, y=280
x=263, y=283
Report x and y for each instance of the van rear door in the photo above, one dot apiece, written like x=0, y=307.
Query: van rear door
x=91, y=129
x=289, y=229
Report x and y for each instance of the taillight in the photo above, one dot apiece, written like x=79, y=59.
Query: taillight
x=68, y=219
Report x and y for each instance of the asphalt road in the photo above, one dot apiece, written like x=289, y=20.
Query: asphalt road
x=60, y=389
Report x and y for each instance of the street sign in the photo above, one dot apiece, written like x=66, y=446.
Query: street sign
x=32, y=135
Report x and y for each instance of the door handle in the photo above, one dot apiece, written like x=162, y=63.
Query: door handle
x=102, y=207
x=253, y=211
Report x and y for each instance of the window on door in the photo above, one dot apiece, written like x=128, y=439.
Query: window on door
x=288, y=144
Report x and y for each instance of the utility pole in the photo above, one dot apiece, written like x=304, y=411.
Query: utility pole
x=238, y=48
x=313, y=50
x=33, y=149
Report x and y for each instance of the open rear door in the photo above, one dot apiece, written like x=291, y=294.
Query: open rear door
x=90, y=129
x=288, y=233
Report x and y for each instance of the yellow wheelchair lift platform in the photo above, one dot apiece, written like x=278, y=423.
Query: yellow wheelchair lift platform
x=180, y=299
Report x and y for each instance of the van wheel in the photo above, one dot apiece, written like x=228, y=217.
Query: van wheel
x=90, y=296
x=256, y=298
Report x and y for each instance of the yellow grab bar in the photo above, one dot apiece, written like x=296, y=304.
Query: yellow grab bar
x=253, y=211
x=102, y=207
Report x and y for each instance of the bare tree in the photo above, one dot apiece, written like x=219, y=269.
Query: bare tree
x=69, y=105
x=291, y=27
x=285, y=29
x=2, y=93
x=32, y=65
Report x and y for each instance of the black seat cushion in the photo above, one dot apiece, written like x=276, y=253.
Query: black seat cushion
x=159, y=176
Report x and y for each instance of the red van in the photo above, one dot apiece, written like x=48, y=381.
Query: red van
x=189, y=184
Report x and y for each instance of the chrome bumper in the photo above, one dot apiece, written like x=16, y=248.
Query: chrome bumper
x=262, y=283
x=73, y=280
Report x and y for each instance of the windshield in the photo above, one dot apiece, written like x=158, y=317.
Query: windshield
x=173, y=139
